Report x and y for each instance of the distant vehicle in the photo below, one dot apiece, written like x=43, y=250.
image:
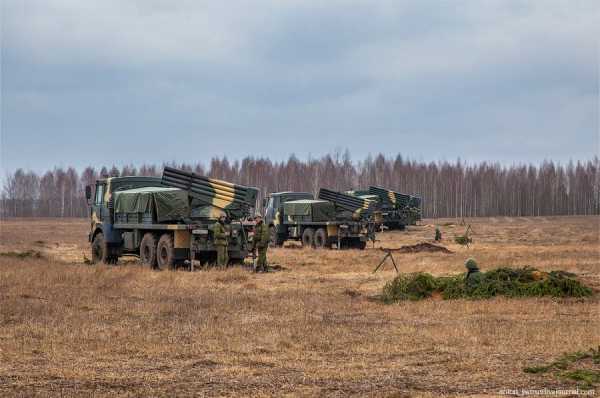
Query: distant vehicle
x=397, y=209
x=392, y=217
x=167, y=221
x=317, y=223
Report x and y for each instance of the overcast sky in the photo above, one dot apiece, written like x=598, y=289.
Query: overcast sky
x=113, y=81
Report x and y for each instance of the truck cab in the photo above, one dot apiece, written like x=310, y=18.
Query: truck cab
x=273, y=206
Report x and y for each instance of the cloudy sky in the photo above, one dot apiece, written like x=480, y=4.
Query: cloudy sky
x=112, y=81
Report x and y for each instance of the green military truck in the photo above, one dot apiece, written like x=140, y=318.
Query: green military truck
x=392, y=217
x=317, y=223
x=397, y=209
x=167, y=221
x=408, y=206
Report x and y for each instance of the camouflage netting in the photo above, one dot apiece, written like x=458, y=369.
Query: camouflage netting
x=510, y=282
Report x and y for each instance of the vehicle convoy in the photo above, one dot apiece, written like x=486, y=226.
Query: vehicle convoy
x=397, y=209
x=318, y=223
x=167, y=221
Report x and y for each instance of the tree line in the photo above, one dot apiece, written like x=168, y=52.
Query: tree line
x=448, y=189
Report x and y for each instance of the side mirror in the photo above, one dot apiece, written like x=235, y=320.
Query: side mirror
x=88, y=192
x=264, y=203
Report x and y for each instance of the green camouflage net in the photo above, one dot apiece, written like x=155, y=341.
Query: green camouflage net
x=509, y=282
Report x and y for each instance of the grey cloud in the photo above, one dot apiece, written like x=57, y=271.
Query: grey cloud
x=504, y=81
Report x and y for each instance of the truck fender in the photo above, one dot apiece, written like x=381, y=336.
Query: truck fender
x=96, y=232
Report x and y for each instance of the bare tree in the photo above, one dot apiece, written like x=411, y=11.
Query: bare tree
x=448, y=189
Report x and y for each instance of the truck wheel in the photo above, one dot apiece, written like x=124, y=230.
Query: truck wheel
x=99, y=249
x=165, y=256
x=320, y=238
x=308, y=238
x=361, y=245
x=148, y=250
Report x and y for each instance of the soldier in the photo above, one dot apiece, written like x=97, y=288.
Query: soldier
x=438, y=235
x=260, y=242
x=221, y=236
x=473, y=276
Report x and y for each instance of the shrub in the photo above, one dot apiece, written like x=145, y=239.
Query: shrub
x=415, y=286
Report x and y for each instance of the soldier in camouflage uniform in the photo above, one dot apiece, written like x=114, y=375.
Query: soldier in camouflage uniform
x=221, y=240
x=260, y=242
x=473, y=277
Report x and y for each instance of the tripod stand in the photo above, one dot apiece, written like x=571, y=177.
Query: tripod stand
x=388, y=253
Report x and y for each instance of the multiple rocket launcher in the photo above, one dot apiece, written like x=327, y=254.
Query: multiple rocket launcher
x=398, y=209
x=238, y=200
x=399, y=201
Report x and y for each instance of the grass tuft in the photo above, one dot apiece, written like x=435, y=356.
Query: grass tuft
x=23, y=254
x=569, y=367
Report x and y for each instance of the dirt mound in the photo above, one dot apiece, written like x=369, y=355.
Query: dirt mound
x=423, y=247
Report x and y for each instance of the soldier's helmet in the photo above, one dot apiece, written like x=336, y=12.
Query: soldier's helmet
x=471, y=265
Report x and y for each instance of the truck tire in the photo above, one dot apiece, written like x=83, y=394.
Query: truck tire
x=99, y=249
x=308, y=238
x=361, y=245
x=165, y=256
x=320, y=239
x=148, y=250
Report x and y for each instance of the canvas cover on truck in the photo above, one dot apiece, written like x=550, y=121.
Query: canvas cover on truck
x=168, y=204
x=309, y=210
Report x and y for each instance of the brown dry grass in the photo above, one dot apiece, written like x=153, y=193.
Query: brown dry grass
x=311, y=329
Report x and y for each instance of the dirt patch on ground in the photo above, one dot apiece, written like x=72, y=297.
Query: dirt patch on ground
x=423, y=247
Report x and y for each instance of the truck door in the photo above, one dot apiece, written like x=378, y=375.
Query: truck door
x=270, y=211
x=99, y=207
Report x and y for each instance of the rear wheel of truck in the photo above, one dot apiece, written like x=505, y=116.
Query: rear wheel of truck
x=148, y=250
x=361, y=245
x=99, y=249
x=165, y=256
x=308, y=238
x=320, y=238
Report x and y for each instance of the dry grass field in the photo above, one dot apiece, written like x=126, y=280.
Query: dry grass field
x=311, y=328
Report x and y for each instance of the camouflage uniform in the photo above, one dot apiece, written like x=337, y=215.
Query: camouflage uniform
x=261, y=243
x=220, y=235
x=473, y=277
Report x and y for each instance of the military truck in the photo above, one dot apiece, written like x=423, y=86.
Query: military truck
x=392, y=217
x=317, y=223
x=167, y=221
x=408, y=207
